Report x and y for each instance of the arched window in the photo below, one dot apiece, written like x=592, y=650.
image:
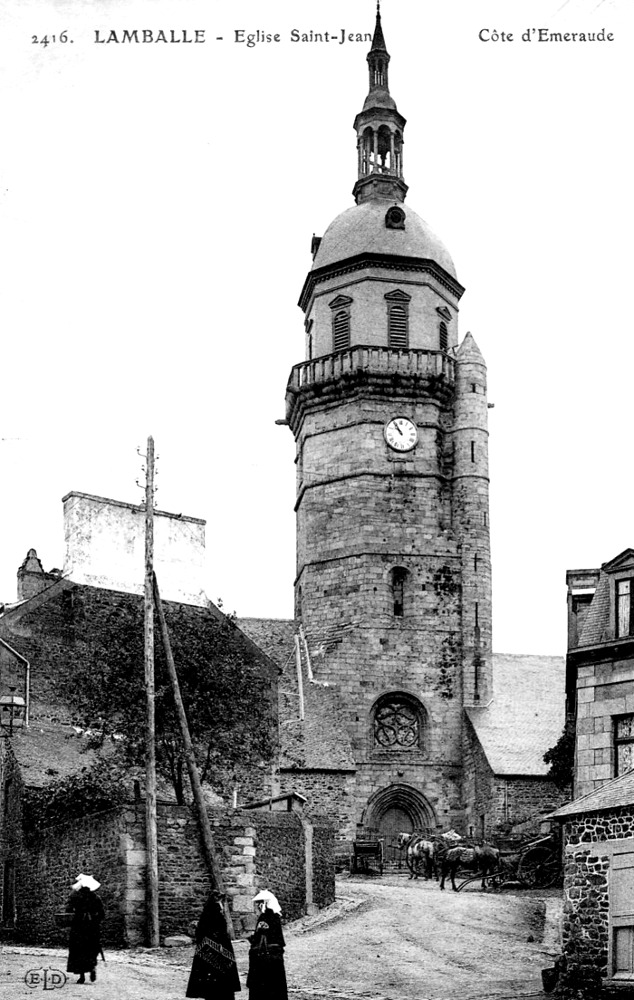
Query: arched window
x=443, y=336
x=398, y=723
x=398, y=577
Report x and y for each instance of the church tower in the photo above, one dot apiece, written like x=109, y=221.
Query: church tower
x=389, y=415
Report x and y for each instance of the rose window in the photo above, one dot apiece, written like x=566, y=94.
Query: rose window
x=396, y=724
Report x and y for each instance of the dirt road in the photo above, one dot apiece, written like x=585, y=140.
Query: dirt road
x=384, y=938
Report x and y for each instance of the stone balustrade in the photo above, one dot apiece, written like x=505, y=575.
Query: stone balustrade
x=373, y=360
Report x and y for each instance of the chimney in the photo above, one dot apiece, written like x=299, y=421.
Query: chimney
x=32, y=579
x=105, y=547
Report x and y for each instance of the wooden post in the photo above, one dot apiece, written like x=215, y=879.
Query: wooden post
x=151, y=837
x=190, y=758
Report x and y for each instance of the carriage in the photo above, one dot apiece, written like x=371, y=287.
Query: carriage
x=531, y=864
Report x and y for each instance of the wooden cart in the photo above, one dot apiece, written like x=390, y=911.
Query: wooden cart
x=366, y=857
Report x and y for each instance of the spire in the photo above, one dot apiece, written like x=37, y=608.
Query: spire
x=379, y=129
x=378, y=42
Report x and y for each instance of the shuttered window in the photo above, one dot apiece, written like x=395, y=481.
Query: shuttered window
x=341, y=330
x=624, y=616
x=397, y=326
x=444, y=338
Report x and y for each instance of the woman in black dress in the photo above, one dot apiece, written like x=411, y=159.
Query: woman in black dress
x=267, y=976
x=84, y=941
x=214, y=973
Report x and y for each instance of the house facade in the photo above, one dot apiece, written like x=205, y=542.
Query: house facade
x=598, y=825
x=600, y=670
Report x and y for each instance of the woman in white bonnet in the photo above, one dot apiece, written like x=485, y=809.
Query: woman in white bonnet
x=84, y=942
x=267, y=976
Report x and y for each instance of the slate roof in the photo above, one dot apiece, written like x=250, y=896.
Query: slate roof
x=612, y=794
x=526, y=716
x=319, y=741
x=598, y=617
x=598, y=626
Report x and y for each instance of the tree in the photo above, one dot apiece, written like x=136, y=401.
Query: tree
x=561, y=757
x=224, y=680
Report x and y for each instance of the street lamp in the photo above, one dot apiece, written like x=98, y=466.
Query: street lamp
x=12, y=711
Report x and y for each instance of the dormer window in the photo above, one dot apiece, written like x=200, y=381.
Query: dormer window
x=340, y=322
x=624, y=615
x=397, y=319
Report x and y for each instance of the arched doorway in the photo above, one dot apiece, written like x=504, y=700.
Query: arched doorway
x=394, y=810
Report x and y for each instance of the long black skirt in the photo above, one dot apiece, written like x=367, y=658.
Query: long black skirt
x=267, y=976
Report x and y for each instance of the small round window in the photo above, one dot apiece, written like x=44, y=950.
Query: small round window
x=395, y=218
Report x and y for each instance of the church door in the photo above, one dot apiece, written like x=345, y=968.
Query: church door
x=393, y=822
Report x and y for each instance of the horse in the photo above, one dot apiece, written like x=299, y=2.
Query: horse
x=420, y=853
x=482, y=860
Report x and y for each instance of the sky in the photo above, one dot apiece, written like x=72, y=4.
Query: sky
x=157, y=203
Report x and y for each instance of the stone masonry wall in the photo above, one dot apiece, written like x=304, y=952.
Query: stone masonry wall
x=256, y=850
x=525, y=798
x=479, y=788
x=589, y=843
x=331, y=793
x=47, y=866
x=504, y=802
x=604, y=690
x=368, y=309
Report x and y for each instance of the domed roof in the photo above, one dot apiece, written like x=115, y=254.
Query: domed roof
x=362, y=229
x=379, y=98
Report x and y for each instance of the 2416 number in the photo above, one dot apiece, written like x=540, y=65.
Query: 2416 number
x=51, y=39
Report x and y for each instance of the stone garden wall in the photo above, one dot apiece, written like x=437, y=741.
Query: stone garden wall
x=256, y=850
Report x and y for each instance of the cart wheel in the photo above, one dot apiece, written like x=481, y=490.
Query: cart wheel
x=539, y=868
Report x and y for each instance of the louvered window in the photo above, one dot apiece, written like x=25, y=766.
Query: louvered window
x=397, y=326
x=341, y=330
x=444, y=338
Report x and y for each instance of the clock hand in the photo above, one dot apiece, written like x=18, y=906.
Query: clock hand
x=399, y=429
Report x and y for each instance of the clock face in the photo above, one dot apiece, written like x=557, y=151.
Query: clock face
x=401, y=434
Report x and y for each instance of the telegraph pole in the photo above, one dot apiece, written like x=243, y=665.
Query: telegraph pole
x=190, y=758
x=151, y=838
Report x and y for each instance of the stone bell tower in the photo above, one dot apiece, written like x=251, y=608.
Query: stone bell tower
x=389, y=415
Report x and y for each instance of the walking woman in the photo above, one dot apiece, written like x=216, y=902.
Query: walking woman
x=267, y=976
x=214, y=973
x=84, y=942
